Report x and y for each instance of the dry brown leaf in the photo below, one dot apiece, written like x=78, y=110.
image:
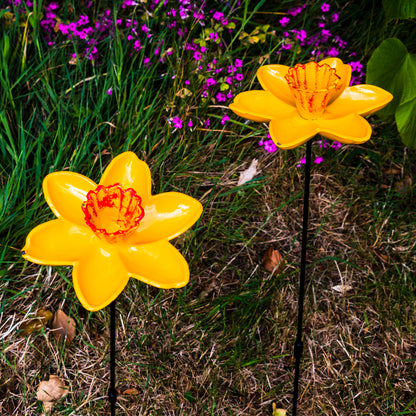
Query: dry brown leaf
x=64, y=328
x=132, y=392
x=43, y=316
x=49, y=392
x=272, y=260
x=403, y=185
x=184, y=93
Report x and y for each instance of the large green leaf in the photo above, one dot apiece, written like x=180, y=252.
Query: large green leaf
x=392, y=68
x=406, y=122
x=399, y=9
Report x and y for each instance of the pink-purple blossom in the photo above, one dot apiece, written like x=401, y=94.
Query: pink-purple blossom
x=325, y=7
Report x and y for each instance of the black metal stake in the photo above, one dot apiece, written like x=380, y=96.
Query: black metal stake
x=112, y=392
x=298, y=348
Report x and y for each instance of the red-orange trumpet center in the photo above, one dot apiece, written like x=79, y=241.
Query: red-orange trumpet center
x=112, y=212
x=312, y=86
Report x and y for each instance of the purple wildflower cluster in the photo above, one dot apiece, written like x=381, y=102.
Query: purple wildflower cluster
x=218, y=86
x=213, y=79
x=320, y=40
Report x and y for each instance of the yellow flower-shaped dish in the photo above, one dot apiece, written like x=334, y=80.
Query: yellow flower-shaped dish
x=310, y=99
x=112, y=231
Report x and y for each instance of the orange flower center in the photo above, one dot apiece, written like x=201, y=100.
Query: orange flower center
x=313, y=86
x=112, y=212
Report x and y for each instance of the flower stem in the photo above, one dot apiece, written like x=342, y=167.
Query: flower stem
x=298, y=348
x=112, y=392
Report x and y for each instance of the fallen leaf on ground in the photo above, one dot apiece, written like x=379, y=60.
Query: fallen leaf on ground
x=342, y=288
x=403, y=185
x=131, y=392
x=278, y=412
x=49, y=392
x=43, y=316
x=272, y=260
x=249, y=173
x=64, y=328
x=184, y=93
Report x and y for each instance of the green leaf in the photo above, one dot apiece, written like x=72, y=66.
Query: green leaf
x=5, y=46
x=399, y=9
x=392, y=68
x=406, y=122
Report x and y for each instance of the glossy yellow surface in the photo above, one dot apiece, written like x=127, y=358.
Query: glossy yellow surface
x=342, y=115
x=101, y=268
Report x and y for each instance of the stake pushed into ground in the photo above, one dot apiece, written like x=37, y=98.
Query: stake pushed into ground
x=298, y=348
x=112, y=391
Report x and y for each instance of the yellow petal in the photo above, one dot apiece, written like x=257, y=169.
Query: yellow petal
x=349, y=129
x=261, y=106
x=57, y=243
x=343, y=71
x=360, y=99
x=292, y=132
x=272, y=78
x=158, y=264
x=167, y=215
x=65, y=192
x=130, y=172
x=99, y=277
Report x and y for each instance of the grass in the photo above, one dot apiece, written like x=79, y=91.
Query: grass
x=223, y=344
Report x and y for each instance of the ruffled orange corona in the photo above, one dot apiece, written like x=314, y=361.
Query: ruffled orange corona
x=112, y=231
x=311, y=99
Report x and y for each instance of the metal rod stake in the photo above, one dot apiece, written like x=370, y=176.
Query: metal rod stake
x=298, y=348
x=112, y=392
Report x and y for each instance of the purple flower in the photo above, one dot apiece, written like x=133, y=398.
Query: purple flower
x=214, y=36
x=224, y=119
x=239, y=77
x=325, y=34
x=334, y=18
x=295, y=11
x=137, y=45
x=197, y=56
x=190, y=124
x=323, y=144
x=325, y=7
x=128, y=3
x=356, y=66
x=269, y=146
x=301, y=162
x=207, y=123
x=211, y=81
x=52, y=6
x=333, y=52
x=83, y=20
x=220, y=97
x=238, y=63
x=284, y=21
x=218, y=16
x=300, y=34
x=318, y=160
x=177, y=122
x=109, y=91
